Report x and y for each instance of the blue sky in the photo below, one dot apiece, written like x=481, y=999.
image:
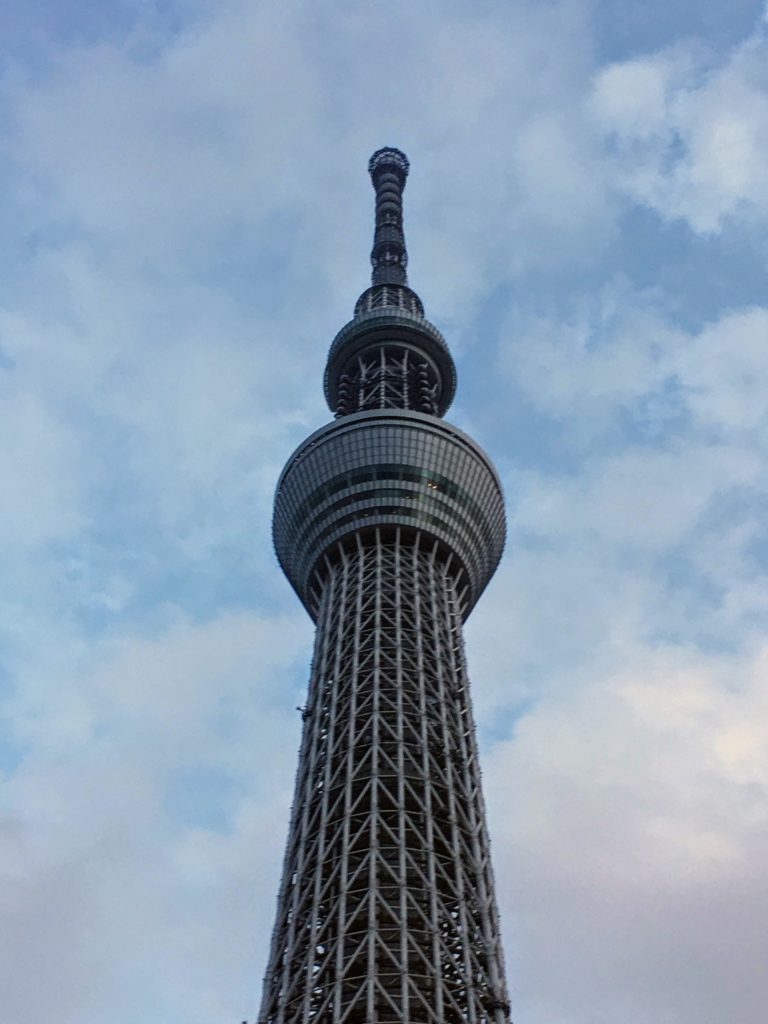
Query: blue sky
x=185, y=223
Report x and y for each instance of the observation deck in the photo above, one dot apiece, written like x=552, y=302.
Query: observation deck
x=389, y=468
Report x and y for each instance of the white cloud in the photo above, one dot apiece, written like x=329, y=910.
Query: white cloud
x=631, y=823
x=687, y=131
x=601, y=360
x=631, y=98
x=102, y=856
x=644, y=498
x=724, y=373
x=622, y=357
x=39, y=464
x=187, y=231
x=651, y=524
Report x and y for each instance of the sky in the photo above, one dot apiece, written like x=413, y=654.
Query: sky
x=185, y=222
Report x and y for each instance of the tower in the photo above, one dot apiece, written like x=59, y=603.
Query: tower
x=388, y=523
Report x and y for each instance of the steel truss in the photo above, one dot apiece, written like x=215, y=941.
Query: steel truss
x=388, y=377
x=386, y=912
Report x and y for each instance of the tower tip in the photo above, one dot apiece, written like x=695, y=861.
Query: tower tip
x=388, y=168
x=389, y=158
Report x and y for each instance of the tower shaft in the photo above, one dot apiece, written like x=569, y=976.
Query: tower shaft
x=386, y=911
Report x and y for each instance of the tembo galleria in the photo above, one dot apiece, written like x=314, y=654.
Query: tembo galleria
x=389, y=523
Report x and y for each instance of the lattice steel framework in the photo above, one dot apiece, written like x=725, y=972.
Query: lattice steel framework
x=389, y=523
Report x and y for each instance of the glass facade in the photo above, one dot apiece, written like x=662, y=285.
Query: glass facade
x=340, y=480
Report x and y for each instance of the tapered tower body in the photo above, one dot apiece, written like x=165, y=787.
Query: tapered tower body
x=389, y=523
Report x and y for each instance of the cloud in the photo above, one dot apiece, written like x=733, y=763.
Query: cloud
x=104, y=853
x=645, y=519
x=182, y=237
x=38, y=463
x=685, y=131
x=624, y=652
x=631, y=825
x=724, y=374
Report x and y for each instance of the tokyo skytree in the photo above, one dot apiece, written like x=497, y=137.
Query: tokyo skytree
x=389, y=523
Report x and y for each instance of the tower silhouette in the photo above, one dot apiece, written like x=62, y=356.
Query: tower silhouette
x=388, y=523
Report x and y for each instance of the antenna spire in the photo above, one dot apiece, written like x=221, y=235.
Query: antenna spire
x=388, y=168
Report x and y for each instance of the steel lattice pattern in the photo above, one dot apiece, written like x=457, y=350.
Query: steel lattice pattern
x=388, y=377
x=386, y=911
